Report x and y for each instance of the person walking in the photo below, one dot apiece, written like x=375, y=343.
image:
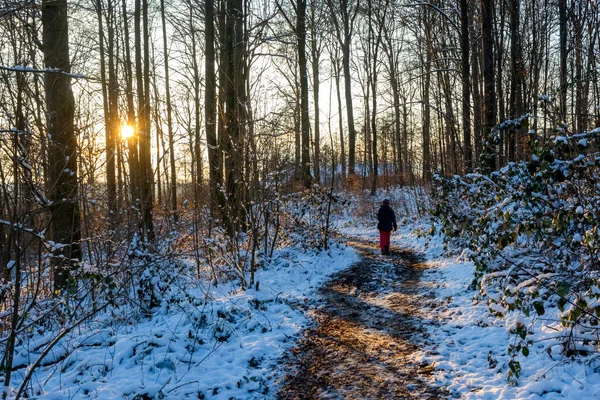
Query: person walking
x=387, y=221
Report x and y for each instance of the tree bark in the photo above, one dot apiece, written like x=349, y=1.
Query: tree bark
x=489, y=97
x=132, y=146
x=475, y=84
x=337, y=68
x=214, y=163
x=108, y=116
x=425, y=100
x=562, y=15
x=315, y=55
x=345, y=33
x=518, y=145
x=62, y=143
x=466, y=92
x=302, y=65
x=173, y=183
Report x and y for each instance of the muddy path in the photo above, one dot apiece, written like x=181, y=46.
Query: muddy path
x=365, y=334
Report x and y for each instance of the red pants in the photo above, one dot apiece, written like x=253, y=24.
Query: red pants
x=384, y=240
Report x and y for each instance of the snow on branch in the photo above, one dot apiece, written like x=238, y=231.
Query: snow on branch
x=20, y=68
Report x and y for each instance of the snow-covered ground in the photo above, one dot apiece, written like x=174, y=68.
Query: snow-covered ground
x=223, y=343
x=217, y=343
x=470, y=346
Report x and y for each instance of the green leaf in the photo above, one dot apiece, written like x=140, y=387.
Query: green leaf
x=561, y=304
x=563, y=288
x=525, y=351
x=539, y=307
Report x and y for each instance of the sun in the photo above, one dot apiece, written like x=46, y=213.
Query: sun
x=127, y=131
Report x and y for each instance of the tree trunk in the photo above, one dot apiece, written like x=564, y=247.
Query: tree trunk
x=113, y=106
x=562, y=15
x=466, y=93
x=302, y=64
x=144, y=172
x=108, y=117
x=489, y=100
x=518, y=145
x=425, y=101
x=131, y=141
x=340, y=119
x=315, y=55
x=173, y=188
x=214, y=164
x=147, y=183
x=62, y=144
x=349, y=108
x=197, y=166
x=235, y=114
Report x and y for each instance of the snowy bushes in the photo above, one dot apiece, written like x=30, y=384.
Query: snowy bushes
x=532, y=230
x=308, y=218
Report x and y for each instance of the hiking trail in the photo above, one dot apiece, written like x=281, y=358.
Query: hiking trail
x=365, y=332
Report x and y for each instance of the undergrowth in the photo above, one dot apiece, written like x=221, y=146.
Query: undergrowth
x=531, y=229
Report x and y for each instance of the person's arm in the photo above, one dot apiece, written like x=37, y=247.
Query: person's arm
x=394, y=220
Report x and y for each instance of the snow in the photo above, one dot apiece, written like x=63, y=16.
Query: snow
x=221, y=342
x=469, y=345
x=469, y=333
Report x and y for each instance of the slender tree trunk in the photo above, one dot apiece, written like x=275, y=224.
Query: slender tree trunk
x=210, y=108
x=580, y=110
x=113, y=106
x=108, y=116
x=315, y=55
x=477, y=110
x=591, y=60
x=173, y=188
x=393, y=74
x=349, y=108
x=159, y=135
x=297, y=135
x=466, y=93
x=499, y=61
x=518, y=147
x=145, y=144
x=489, y=101
x=562, y=15
x=340, y=119
x=131, y=141
x=426, y=108
x=196, y=84
x=305, y=119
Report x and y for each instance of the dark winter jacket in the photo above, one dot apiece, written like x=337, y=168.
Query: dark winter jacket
x=386, y=218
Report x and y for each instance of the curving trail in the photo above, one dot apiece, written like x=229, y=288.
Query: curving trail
x=365, y=334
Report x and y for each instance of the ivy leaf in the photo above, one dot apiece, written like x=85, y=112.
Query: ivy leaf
x=539, y=307
x=561, y=304
x=525, y=351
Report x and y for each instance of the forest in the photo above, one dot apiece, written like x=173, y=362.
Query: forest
x=148, y=147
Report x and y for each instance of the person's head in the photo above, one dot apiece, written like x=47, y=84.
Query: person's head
x=386, y=202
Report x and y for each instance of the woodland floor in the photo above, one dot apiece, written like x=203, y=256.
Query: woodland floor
x=365, y=334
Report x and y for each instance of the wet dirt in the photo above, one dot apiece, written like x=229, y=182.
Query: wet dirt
x=365, y=334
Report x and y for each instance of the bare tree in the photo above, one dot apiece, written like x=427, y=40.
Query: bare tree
x=343, y=16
